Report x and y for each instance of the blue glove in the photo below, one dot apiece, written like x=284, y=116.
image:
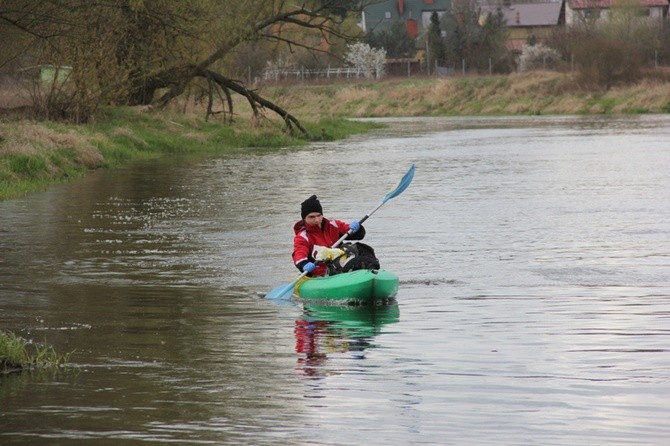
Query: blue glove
x=354, y=226
x=309, y=267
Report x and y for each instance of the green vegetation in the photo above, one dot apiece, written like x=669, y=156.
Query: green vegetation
x=17, y=354
x=34, y=155
x=526, y=93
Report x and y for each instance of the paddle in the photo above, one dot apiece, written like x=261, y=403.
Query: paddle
x=286, y=291
x=404, y=183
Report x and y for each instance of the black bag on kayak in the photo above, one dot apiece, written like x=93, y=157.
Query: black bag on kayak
x=356, y=256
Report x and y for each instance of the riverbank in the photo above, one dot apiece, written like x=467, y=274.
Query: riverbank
x=528, y=93
x=34, y=155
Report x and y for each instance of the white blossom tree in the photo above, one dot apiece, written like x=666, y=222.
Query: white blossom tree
x=369, y=60
x=536, y=57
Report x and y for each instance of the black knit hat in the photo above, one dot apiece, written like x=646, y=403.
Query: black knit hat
x=310, y=205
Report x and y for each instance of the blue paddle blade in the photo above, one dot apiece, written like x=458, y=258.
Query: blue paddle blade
x=281, y=292
x=404, y=183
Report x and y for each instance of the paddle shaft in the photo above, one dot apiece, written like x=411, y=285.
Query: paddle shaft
x=337, y=243
x=404, y=184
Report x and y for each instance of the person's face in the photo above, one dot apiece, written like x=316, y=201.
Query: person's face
x=314, y=219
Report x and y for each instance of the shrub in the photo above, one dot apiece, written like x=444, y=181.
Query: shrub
x=539, y=56
x=607, y=61
x=369, y=60
x=617, y=50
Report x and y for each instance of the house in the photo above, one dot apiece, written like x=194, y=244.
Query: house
x=47, y=75
x=527, y=21
x=415, y=14
x=585, y=12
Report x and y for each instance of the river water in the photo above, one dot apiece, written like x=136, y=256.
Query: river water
x=534, y=304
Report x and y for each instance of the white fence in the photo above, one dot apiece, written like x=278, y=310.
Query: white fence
x=303, y=73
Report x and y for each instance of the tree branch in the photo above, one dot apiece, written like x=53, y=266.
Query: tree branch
x=254, y=99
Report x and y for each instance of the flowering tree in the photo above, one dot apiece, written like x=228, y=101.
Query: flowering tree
x=535, y=57
x=369, y=60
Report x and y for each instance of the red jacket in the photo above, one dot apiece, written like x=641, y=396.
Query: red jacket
x=308, y=236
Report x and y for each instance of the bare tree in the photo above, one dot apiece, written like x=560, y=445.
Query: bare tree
x=141, y=52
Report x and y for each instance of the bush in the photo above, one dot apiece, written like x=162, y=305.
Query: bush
x=536, y=57
x=607, y=61
x=369, y=60
x=618, y=49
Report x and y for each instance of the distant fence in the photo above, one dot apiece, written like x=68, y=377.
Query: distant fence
x=393, y=67
x=307, y=74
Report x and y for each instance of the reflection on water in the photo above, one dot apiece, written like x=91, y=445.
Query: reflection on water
x=533, y=254
x=327, y=330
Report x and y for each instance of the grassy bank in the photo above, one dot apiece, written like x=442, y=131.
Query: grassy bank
x=17, y=354
x=34, y=155
x=529, y=93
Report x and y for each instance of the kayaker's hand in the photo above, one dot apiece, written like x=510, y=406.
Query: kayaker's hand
x=309, y=267
x=354, y=226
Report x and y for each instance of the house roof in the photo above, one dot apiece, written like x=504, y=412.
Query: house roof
x=607, y=4
x=529, y=14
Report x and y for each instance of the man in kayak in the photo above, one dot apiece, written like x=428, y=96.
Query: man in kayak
x=316, y=230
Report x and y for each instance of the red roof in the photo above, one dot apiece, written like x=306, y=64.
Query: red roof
x=606, y=4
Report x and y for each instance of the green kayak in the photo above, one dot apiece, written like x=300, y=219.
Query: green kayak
x=361, y=285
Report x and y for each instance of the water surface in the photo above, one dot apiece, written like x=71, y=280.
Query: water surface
x=534, y=258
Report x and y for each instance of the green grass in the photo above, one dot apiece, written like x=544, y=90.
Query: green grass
x=40, y=154
x=26, y=166
x=17, y=354
x=332, y=129
x=607, y=104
